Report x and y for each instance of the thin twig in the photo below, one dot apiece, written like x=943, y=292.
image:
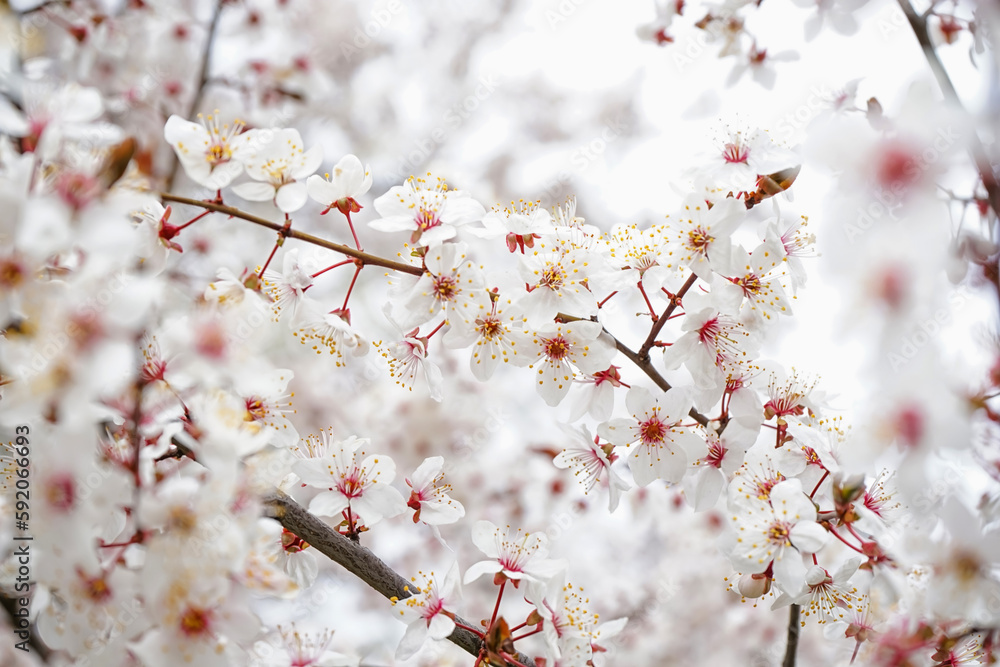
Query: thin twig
x=793, y=637
x=645, y=366
x=360, y=562
x=976, y=149
x=199, y=95
x=365, y=257
x=643, y=352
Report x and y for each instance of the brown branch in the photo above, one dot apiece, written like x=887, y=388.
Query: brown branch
x=199, y=95
x=643, y=352
x=365, y=257
x=645, y=366
x=359, y=561
x=793, y=637
x=976, y=149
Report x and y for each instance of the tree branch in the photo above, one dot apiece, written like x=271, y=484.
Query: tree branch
x=976, y=149
x=645, y=366
x=359, y=561
x=365, y=257
x=643, y=352
x=793, y=637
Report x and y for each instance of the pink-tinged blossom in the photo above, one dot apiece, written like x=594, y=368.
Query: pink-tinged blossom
x=449, y=285
x=520, y=225
x=703, y=240
x=430, y=213
x=556, y=279
x=408, y=356
x=658, y=446
x=427, y=611
x=556, y=348
x=352, y=480
x=589, y=463
x=776, y=530
x=712, y=343
x=494, y=333
x=341, y=189
x=429, y=498
x=521, y=556
x=287, y=288
x=704, y=485
x=278, y=164
x=212, y=155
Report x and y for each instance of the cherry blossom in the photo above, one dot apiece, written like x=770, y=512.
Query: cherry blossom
x=350, y=180
x=425, y=611
x=278, y=163
x=658, y=446
x=212, y=155
x=556, y=348
x=589, y=461
x=353, y=481
x=430, y=499
x=430, y=213
x=519, y=557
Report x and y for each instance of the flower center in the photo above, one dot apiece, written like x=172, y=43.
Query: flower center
x=446, y=288
x=557, y=348
x=489, y=327
x=699, y=240
x=735, y=153
x=194, y=621
x=553, y=277
x=778, y=534
x=61, y=493
x=653, y=431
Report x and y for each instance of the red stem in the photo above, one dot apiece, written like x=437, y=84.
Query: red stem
x=193, y=220
x=652, y=313
x=351, y=287
x=821, y=480
x=332, y=266
x=350, y=224
x=496, y=607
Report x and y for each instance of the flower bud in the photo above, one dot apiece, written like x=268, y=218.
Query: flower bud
x=754, y=585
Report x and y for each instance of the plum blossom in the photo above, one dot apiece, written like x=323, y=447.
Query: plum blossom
x=520, y=224
x=658, y=446
x=429, y=498
x=301, y=649
x=491, y=329
x=287, y=288
x=589, y=461
x=556, y=348
x=352, y=480
x=350, y=180
x=449, y=285
x=518, y=557
x=430, y=214
x=278, y=163
x=704, y=233
x=212, y=155
x=426, y=612
x=775, y=531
